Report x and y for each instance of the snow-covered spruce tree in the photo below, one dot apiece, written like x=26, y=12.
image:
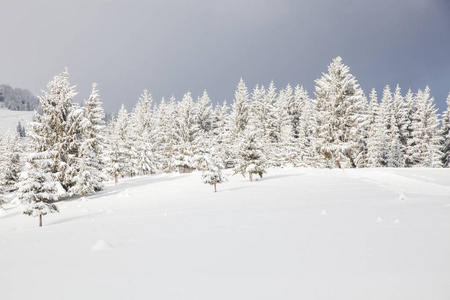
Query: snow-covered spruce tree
x=204, y=123
x=445, y=134
x=283, y=135
x=362, y=134
x=376, y=134
x=55, y=127
x=409, y=128
x=306, y=131
x=391, y=156
x=221, y=133
x=37, y=186
x=425, y=144
x=342, y=112
x=269, y=136
x=204, y=113
x=165, y=134
x=118, y=152
x=399, y=112
x=89, y=165
x=10, y=160
x=260, y=116
x=250, y=157
x=142, y=134
x=39, y=190
x=240, y=110
x=395, y=130
x=186, y=131
x=212, y=173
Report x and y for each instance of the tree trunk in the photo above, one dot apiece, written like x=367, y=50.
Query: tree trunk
x=40, y=220
x=116, y=178
x=251, y=176
x=215, y=188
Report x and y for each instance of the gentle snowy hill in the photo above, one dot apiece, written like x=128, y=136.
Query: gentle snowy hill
x=296, y=234
x=10, y=118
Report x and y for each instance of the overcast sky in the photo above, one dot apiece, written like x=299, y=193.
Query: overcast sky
x=171, y=47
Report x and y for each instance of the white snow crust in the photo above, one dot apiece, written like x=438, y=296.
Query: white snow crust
x=177, y=239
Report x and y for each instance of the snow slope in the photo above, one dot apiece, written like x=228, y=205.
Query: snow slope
x=296, y=234
x=10, y=118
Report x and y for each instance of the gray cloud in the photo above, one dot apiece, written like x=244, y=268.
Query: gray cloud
x=171, y=47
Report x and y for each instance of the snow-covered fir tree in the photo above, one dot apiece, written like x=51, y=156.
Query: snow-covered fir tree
x=38, y=187
x=250, y=157
x=118, y=152
x=305, y=132
x=396, y=130
x=205, y=122
x=10, y=160
x=186, y=131
x=341, y=114
x=240, y=110
x=376, y=135
x=212, y=173
x=55, y=126
x=425, y=144
x=142, y=135
x=39, y=190
x=90, y=175
x=281, y=135
x=165, y=134
x=410, y=103
x=204, y=113
x=445, y=134
x=221, y=133
x=260, y=114
x=390, y=137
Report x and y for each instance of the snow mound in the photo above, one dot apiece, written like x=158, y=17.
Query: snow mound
x=2, y=211
x=397, y=221
x=125, y=194
x=110, y=211
x=16, y=201
x=324, y=213
x=85, y=209
x=380, y=220
x=101, y=245
x=402, y=197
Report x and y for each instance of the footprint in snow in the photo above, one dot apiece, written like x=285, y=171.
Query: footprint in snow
x=324, y=213
x=397, y=221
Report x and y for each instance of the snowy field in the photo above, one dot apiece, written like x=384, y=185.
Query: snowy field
x=10, y=118
x=296, y=234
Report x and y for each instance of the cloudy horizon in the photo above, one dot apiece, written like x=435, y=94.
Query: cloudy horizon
x=172, y=47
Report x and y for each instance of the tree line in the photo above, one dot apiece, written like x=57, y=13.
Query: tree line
x=70, y=150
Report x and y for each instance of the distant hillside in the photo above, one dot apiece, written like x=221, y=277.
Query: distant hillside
x=17, y=99
x=9, y=120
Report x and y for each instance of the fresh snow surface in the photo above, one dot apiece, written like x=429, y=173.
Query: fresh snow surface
x=10, y=118
x=171, y=237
